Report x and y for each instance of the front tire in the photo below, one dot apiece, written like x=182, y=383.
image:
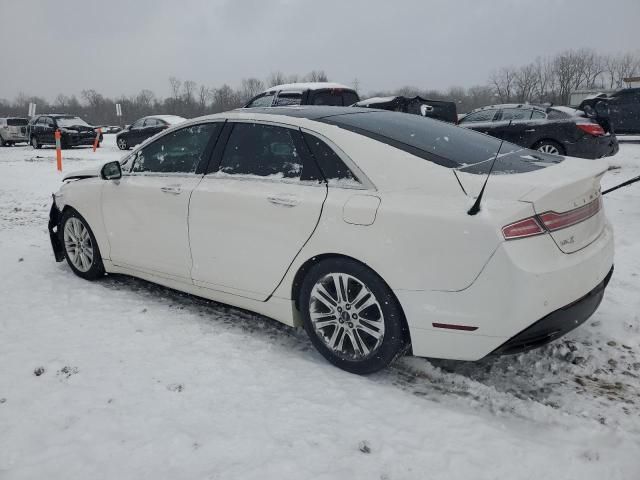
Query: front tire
x=80, y=246
x=34, y=143
x=351, y=316
x=122, y=144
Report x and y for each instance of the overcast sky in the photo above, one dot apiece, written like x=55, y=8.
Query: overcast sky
x=120, y=47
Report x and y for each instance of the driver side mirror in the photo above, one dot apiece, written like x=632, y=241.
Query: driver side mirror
x=111, y=171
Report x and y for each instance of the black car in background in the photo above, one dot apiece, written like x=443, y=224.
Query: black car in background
x=555, y=130
x=624, y=109
x=311, y=93
x=74, y=131
x=438, y=109
x=144, y=128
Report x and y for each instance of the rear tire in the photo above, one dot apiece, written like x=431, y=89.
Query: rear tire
x=351, y=316
x=550, y=147
x=34, y=142
x=3, y=143
x=80, y=246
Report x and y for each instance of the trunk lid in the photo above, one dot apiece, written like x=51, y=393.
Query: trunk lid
x=565, y=197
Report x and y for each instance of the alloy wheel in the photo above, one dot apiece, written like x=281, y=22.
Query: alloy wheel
x=548, y=148
x=77, y=243
x=346, y=316
x=122, y=144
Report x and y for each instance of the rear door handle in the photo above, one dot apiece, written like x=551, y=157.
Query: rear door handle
x=172, y=189
x=529, y=130
x=283, y=200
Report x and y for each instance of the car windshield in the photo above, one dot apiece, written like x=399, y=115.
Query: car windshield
x=70, y=121
x=442, y=143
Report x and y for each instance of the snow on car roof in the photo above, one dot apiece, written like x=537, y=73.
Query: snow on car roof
x=372, y=100
x=567, y=110
x=299, y=87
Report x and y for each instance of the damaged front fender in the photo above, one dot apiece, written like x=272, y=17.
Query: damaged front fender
x=55, y=216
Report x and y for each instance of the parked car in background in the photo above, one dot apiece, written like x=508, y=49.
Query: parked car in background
x=555, y=130
x=624, y=109
x=313, y=93
x=74, y=131
x=355, y=224
x=145, y=127
x=437, y=109
x=13, y=130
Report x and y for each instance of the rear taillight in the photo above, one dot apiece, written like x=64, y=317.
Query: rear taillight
x=551, y=221
x=522, y=229
x=591, y=128
x=555, y=221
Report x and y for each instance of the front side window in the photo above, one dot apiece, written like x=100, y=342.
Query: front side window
x=482, y=116
x=286, y=99
x=262, y=150
x=515, y=114
x=538, y=115
x=138, y=123
x=262, y=101
x=178, y=152
x=151, y=122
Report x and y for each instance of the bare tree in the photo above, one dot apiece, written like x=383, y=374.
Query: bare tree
x=204, y=95
x=250, y=88
x=276, y=78
x=525, y=83
x=175, y=85
x=316, y=76
x=503, y=82
x=188, y=87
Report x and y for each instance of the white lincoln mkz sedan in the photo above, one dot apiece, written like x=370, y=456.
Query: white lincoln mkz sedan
x=357, y=224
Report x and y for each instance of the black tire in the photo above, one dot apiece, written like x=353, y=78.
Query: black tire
x=393, y=342
x=3, y=143
x=122, y=143
x=543, y=145
x=96, y=269
x=34, y=142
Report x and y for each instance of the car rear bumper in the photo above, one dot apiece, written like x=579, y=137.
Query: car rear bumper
x=557, y=323
x=525, y=282
x=13, y=137
x=593, y=147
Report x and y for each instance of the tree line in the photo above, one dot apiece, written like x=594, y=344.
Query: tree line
x=547, y=79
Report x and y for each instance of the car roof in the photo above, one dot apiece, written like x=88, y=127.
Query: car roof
x=303, y=86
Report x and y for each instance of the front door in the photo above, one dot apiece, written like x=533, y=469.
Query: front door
x=146, y=211
x=249, y=219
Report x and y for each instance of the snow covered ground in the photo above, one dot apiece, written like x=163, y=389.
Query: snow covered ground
x=123, y=379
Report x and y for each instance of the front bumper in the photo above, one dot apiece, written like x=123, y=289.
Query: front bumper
x=55, y=215
x=78, y=140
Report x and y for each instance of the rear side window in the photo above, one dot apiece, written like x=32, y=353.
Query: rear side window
x=178, y=152
x=350, y=98
x=538, y=115
x=262, y=150
x=331, y=165
x=515, y=114
x=482, y=116
x=17, y=122
x=285, y=99
x=556, y=114
x=329, y=97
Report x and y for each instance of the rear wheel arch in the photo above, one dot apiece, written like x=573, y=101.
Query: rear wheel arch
x=303, y=270
x=542, y=141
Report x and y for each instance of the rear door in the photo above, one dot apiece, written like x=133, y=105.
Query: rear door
x=251, y=215
x=514, y=125
x=145, y=212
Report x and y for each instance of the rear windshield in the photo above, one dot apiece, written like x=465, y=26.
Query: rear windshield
x=17, y=122
x=70, y=121
x=442, y=143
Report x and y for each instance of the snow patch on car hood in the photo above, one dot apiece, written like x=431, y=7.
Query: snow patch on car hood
x=85, y=173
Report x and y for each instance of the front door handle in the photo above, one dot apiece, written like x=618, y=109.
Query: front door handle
x=283, y=200
x=172, y=189
x=529, y=130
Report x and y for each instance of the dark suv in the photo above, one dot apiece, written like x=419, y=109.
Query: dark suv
x=74, y=131
x=314, y=93
x=624, y=109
